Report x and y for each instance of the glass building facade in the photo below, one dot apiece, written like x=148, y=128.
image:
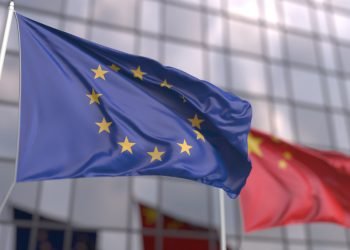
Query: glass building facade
x=289, y=58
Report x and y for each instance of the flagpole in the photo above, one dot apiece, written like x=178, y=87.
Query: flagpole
x=2, y=59
x=7, y=196
x=6, y=36
x=222, y=220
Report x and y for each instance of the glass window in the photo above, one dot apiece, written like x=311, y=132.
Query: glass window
x=136, y=242
x=90, y=193
x=149, y=47
x=189, y=59
x=306, y=87
x=10, y=79
x=298, y=247
x=261, y=245
x=46, y=19
x=7, y=170
x=328, y=247
x=214, y=4
x=245, y=8
x=322, y=22
x=274, y=44
x=331, y=232
x=328, y=58
x=8, y=131
x=41, y=4
x=340, y=127
x=296, y=15
x=3, y=13
x=301, y=50
x=150, y=16
x=76, y=28
x=296, y=232
x=183, y=23
x=116, y=12
x=217, y=69
x=115, y=39
x=249, y=42
x=55, y=199
x=341, y=3
x=345, y=58
x=345, y=86
x=283, y=121
x=307, y=121
x=248, y=75
x=278, y=80
x=145, y=189
x=13, y=37
x=215, y=32
x=25, y=195
x=108, y=240
x=79, y=8
x=342, y=26
x=261, y=117
x=270, y=11
x=194, y=2
x=177, y=201
x=7, y=235
x=270, y=233
x=334, y=92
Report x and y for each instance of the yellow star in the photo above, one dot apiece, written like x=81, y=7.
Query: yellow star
x=104, y=126
x=156, y=155
x=151, y=216
x=94, y=97
x=138, y=73
x=185, y=147
x=114, y=67
x=196, y=122
x=287, y=155
x=254, y=145
x=165, y=84
x=282, y=164
x=99, y=72
x=199, y=135
x=126, y=145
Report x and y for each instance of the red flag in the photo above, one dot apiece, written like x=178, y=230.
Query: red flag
x=149, y=220
x=294, y=184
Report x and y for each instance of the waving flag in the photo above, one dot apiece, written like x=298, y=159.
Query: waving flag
x=88, y=110
x=294, y=184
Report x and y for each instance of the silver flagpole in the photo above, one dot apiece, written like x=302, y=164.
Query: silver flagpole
x=222, y=220
x=2, y=59
x=6, y=36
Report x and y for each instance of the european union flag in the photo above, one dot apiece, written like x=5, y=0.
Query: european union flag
x=88, y=110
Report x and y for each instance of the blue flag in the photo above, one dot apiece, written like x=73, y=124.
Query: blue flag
x=88, y=110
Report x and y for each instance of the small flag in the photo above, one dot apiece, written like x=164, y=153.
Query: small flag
x=149, y=217
x=51, y=239
x=88, y=110
x=294, y=184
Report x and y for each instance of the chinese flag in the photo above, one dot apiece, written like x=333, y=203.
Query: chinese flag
x=294, y=184
x=149, y=220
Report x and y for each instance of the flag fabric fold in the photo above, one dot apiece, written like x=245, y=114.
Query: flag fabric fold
x=294, y=184
x=88, y=110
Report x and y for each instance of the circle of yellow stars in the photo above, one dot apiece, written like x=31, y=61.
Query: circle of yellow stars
x=127, y=145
